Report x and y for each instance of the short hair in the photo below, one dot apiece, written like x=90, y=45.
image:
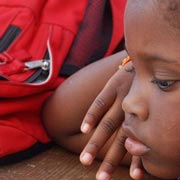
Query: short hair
x=171, y=11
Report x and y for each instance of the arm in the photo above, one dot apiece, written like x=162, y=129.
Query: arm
x=70, y=102
x=66, y=108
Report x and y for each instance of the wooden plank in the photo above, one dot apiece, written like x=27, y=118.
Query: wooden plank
x=57, y=164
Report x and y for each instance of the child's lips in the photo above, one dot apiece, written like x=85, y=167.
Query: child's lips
x=133, y=145
x=136, y=148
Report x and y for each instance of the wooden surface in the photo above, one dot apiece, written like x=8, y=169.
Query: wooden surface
x=57, y=164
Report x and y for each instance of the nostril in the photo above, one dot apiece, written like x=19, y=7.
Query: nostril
x=131, y=116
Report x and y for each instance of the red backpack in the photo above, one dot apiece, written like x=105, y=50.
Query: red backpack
x=41, y=43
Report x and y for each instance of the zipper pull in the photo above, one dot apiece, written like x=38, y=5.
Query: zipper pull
x=43, y=64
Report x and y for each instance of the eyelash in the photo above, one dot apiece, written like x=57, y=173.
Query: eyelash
x=163, y=84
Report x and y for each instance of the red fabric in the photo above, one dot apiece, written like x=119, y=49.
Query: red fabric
x=56, y=21
x=118, y=8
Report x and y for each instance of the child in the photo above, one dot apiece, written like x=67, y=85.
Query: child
x=152, y=116
x=65, y=110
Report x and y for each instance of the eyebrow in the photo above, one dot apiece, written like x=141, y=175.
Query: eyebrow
x=160, y=59
x=150, y=57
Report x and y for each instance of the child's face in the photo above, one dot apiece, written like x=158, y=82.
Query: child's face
x=152, y=106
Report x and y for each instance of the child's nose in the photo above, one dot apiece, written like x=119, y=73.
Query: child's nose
x=135, y=103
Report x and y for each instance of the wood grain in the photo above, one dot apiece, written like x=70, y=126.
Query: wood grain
x=57, y=164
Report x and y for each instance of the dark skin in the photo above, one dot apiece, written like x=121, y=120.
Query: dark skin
x=111, y=96
x=156, y=60
x=151, y=106
x=70, y=102
x=66, y=108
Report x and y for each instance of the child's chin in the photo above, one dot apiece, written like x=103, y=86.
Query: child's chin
x=159, y=171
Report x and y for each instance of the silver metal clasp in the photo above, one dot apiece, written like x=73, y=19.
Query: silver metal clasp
x=44, y=64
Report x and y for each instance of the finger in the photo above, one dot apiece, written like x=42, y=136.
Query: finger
x=98, y=108
x=136, y=170
x=110, y=122
x=113, y=158
x=106, y=98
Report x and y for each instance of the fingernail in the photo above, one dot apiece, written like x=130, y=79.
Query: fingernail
x=136, y=173
x=87, y=159
x=103, y=176
x=85, y=128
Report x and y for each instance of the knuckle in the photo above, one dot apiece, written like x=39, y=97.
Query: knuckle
x=90, y=117
x=93, y=147
x=99, y=103
x=121, y=141
x=110, y=165
x=108, y=125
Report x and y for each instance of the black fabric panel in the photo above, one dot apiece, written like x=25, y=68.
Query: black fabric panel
x=22, y=155
x=9, y=36
x=93, y=38
x=120, y=46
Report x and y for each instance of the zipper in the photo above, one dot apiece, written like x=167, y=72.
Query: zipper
x=9, y=36
x=6, y=40
x=42, y=71
x=44, y=64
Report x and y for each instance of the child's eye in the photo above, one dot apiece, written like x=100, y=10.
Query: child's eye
x=163, y=84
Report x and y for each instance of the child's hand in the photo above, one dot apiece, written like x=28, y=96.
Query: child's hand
x=113, y=157
x=107, y=105
x=136, y=171
x=107, y=109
